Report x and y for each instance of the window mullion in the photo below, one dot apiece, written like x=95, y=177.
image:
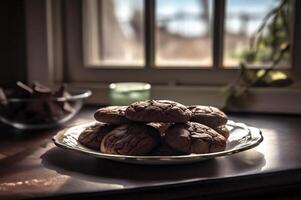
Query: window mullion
x=149, y=28
x=218, y=33
x=296, y=48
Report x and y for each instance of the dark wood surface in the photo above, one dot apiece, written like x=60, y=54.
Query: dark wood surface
x=32, y=167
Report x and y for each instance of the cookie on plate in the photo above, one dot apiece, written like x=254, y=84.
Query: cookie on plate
x=91, y=137
x=130, y=139
x=112, y=115
x=223, y=130
x=208, y=115
x=192, y=137
x=164, y=150
x=161, y=127
x=158, y=111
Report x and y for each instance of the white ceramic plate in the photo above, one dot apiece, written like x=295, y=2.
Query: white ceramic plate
x=241, y=139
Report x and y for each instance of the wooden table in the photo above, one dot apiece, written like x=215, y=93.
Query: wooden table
x=32, y=167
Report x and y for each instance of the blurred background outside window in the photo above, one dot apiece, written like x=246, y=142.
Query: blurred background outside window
x=183, y=32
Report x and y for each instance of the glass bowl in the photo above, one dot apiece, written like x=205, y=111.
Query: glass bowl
x=41, y=113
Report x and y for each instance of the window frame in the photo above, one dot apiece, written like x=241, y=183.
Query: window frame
x=217, y=43
x=165, y=75
x=150, y=73
x=187, y=75
x=149, y=38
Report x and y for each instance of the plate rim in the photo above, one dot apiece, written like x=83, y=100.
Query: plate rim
x=91, y=152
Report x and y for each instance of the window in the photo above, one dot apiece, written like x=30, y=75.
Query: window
x=180, y=33
x=183, y=33
x=175, y=46
x=243, y=18
x=113, y=32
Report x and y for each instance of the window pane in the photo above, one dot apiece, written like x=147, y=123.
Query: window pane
x=116, y=32
x=243, y=18
x=183, y=36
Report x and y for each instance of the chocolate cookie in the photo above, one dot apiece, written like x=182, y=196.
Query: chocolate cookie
x=112, y=115
x=223, y=130
x=192, y=137
x=161, y=127
x=158, y=111
x=91, y=137
x=208, y=115
x=130, y=139
x=164, y=150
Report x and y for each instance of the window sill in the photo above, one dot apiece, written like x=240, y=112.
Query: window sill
x=265, y=100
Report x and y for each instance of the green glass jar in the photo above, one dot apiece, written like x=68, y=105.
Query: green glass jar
x=125, y=93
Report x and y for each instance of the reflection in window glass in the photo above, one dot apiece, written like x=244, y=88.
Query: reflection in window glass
x=114, y=32
x=122, y=31
x=243, y=18
x=183, y=34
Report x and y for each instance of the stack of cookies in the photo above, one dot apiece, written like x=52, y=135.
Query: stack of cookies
x=157, y=127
